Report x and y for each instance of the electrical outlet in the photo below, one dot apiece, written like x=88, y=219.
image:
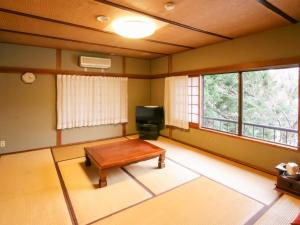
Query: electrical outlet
x=2, y=144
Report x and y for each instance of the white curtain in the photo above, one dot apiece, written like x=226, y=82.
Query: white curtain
x=176, y=101
x=90, y=101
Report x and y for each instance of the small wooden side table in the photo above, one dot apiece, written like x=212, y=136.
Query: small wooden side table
x=285, y=182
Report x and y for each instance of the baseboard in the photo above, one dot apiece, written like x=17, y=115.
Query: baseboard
x=57, y=146
x=223, y=156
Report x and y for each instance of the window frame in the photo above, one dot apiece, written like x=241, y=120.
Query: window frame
x=240, y=135
x=192, y=124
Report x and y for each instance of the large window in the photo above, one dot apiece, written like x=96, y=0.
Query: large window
x=257, y=104
x=270, y=105
x=220, y=102
x=193, y=93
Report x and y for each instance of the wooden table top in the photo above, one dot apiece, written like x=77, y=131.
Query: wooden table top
x=122, y=153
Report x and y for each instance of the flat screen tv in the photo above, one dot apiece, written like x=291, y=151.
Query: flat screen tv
x=150, y=115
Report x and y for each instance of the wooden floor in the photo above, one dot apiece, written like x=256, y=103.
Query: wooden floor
x=194, y=188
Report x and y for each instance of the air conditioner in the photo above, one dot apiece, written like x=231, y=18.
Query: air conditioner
x=93, y=62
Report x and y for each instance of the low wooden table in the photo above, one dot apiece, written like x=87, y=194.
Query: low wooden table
x=120, y=154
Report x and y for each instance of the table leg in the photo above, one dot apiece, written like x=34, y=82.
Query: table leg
x=87, y=160
x=161, y=161
x=102, y=178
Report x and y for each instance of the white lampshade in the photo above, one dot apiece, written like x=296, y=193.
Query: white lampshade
x=133, y=27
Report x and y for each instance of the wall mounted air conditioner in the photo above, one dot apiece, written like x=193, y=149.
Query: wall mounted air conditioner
x=94, y=62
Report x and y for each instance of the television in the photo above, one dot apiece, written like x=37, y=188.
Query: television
x=150, y=115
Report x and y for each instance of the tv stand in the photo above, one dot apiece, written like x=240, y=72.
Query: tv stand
x=148, y=131
x=149, y=121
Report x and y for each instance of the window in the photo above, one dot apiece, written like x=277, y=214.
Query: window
x=270, y=105
x=91, y=101
x=193, y=93
x=220, y=102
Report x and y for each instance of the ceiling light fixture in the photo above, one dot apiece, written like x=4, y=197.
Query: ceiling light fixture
x=170, y=6
x=102, y=18
x=133, y=27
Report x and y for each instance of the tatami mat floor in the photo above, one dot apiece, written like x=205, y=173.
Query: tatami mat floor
x=251, y=182
x=190, y=190
x=30, y=191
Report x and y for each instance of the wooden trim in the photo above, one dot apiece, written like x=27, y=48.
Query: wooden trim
x=170, y=131
x=58, y=58
x=4, y=69
x=63, y=145
x=240, y=104
x=283, y=147
x=58, y=138
x=201, y=100
x=26, y=150
x=123, y=64
x=299, y=109
x=193, y=125
x=58, y=66
x=222, y=156
x=278, y=11
x=170, y=64
x=124, y=129
x=65, y=193
x=129, y=9
x=242, y=67
x=84, y=27
x=78, y=41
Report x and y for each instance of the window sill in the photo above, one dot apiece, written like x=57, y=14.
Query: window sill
x=284, y=147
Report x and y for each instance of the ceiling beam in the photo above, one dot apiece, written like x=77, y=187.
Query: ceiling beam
x=84, y=27
x=278, y=11
x=126, y=8
x=78, y=41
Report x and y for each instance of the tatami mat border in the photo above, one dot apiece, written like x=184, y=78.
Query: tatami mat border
x=71, y=209
x=65, y=192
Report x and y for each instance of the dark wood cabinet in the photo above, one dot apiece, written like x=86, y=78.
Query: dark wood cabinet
x=288, y=184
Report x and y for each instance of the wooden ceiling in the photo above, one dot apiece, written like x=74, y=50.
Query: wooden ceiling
x=72, y=24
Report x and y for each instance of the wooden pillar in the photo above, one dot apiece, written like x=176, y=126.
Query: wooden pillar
x=298, y=145
x=240, y=104
x=201, y=100
x=124, y=129
x=58, y=67
x=170, y=132
x=170, y=64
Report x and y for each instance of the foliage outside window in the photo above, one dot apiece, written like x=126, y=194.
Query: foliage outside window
x=193, y=94
x=270, y=105
x=220, y=102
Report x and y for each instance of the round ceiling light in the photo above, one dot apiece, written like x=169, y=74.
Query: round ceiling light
x=170, y=6
x=133, y=27
x=102, y=18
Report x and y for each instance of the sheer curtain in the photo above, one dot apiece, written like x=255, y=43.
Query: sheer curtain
x=176, y=101
x=90, y=101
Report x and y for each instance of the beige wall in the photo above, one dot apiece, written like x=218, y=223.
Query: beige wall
x=157, y=91
x=28, y=111
x=90, y=133
x=138, y=94
x=274, y=44
x=262, y=156
x=157, y=96
x=159, y=65
x=137, y=66
x=27, y=56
